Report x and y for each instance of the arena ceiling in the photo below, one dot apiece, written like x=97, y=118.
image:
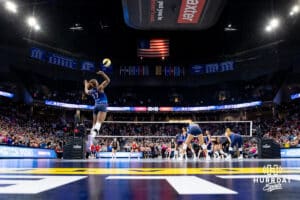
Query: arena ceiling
x=103, y=32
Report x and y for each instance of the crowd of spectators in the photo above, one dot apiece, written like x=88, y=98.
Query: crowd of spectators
x=20, y=126
x=286, y=132
x=20, y=129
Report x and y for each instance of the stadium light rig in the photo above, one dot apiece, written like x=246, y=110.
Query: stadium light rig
x=295, y=10
x=11, y=6
x=76, y=27
x=33, y=23
x=229, y=28
x=272, y=25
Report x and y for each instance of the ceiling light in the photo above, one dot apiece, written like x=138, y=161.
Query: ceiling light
x=274, y=23
x=295, y=9
x=76, y=27
x=37, y=27
x=10, y=6
x=269, y=28
x=31, y=21
x=229, y=27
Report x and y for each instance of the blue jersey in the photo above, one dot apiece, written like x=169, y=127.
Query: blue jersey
x=181, y=138
x=236, y=139
x=234, y=136
x=99, y=97
x=206, y=139
x=209, y=145
x=194, y=129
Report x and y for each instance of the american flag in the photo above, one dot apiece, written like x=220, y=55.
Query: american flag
x=153, y=48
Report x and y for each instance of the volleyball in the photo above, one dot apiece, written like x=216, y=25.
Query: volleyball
x=106, y=62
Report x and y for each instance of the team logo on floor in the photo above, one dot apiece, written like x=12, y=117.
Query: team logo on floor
x=272, y=178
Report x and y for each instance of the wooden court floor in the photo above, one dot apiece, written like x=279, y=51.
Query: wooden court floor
x=149, y=179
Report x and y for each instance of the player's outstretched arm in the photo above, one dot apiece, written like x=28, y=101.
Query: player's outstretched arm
x=105, y=82
x=86, y=87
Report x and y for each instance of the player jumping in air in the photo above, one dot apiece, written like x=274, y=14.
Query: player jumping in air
x=96, y=90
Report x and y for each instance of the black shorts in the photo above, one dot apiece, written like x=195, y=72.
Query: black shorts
x=114, y=148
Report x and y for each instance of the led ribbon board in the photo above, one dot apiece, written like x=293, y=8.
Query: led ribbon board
x=295, y=96
x=6, y=94
x=158, y=109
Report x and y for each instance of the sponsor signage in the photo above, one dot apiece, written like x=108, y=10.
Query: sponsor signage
x=290, y=153
x=190, y=11
x=24, y=152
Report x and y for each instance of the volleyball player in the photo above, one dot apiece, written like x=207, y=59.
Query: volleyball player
x=183, y=151
x=114, y=148
x=93, y=151
x=194, y=130
x=96, y=90
x=234, y=140
x=182, y=139
x=193, y=145
x=209, y=146
x=217, y=148
x=134, y=148
x=173, y=147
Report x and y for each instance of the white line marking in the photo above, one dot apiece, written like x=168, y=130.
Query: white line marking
x=34, y=186
x=184, y=185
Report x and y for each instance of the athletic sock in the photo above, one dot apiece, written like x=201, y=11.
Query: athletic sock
x=231, y=151
x=241, y=151
x=92, y=129
x=98, y=126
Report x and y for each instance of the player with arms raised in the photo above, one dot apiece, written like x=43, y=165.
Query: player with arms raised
x=96, y=90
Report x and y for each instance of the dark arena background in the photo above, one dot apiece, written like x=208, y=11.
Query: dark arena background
x=151, y=99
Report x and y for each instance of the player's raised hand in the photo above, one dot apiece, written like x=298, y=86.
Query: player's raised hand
x=100, y=72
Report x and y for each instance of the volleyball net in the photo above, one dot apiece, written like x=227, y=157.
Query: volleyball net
x=170, y=129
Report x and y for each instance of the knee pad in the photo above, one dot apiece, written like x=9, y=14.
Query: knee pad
x=230, y=149
x=240, y=149
x=203, y=146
